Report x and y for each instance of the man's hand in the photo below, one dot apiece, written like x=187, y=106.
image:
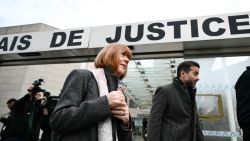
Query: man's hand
x=30, y=89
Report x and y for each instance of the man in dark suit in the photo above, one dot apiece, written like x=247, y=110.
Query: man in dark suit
x=173, y=115
x=243, y=103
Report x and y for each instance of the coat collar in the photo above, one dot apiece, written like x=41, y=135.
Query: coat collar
x=189, y=92
x=112, y=80
x=189, y=88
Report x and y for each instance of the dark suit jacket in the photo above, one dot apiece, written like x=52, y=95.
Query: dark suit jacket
x=242, y=88
x=76, y=116
x=173, y=115
x=23, y=111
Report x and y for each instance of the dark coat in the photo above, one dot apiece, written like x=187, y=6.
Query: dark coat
x=6, y=120
x=242, y=88
x=76, y=116
x=23, y=109
x=173, y=115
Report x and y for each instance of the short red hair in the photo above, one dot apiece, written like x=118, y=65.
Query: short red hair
x=109, y=56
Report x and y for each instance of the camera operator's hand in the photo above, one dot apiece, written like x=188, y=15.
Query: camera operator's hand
x=43, y=101
x=30, y=89
x=39, y=95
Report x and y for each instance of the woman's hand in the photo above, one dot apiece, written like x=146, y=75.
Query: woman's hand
x=116, y=99
x=122, y=113
x=119, y=107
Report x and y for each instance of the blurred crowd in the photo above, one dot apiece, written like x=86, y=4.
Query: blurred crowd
x=29, y=115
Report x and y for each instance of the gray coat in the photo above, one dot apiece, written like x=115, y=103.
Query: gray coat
x=173, y=115
x=76, y=116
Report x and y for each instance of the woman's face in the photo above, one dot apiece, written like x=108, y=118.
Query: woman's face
x=123, y=65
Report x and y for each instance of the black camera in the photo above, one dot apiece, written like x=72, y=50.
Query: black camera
x=51, y=101
x=37, y=83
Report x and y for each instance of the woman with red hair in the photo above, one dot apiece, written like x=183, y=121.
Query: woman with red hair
x=91, y=107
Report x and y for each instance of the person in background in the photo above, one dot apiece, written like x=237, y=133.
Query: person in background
x=144, y=128
x=25, y=125
x=48, y=105
x=242, y=88
x=91, y=107
x=7, y=118
x=173, y=116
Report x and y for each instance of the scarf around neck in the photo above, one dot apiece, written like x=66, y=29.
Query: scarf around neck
x=105, y=126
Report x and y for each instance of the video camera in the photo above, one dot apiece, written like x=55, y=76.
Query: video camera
x=51, y=101
x=37, y=83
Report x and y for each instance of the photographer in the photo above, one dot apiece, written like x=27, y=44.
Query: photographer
x=25, y=125
x=7, y=118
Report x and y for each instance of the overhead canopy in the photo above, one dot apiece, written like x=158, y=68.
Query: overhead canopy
x=220, y=35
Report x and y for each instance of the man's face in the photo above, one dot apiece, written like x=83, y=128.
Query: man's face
x=190, y=78
x=10, y=105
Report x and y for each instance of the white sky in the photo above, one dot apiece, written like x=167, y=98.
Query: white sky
x=67, y=14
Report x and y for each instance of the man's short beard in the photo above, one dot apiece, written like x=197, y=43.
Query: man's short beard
x=190, y=83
